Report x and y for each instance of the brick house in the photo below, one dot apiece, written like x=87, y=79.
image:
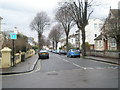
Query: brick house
x=104, y=41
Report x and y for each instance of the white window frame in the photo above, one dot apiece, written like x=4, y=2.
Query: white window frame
x=113, y=42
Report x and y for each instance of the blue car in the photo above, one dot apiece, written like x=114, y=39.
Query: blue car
x=73, y=53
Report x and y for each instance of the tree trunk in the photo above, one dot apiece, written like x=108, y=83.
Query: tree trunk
x=39, y=39
x=118, y=45
x=56, y=45
x=83, y=42
x=53, y=43
x=67, y=48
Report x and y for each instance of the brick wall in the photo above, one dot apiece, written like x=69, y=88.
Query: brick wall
x=110, y=54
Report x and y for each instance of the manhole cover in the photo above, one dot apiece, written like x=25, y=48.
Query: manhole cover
x=52, y=74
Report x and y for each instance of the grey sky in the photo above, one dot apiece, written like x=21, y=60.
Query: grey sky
x=19, y=13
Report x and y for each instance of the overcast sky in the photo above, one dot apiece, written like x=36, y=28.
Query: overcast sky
x=19, y=13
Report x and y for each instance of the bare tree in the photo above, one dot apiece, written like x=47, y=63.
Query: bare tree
x=63, y=17
x=78, y=11
x=39, y=23
x=47, y=42
x=42, y=41
x=56, y=34
x=52, y=38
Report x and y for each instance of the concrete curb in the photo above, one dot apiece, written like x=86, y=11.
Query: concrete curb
x=103, y=61
x=11, y=73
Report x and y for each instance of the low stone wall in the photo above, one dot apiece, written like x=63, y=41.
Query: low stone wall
x=109, y=54
x=0, y=62
x=18, y=57
x=29, y=53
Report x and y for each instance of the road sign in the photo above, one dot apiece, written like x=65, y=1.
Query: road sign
x=13, y=36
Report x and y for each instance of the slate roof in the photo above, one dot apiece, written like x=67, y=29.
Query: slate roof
x=115, y=12
x=99, y=37
x=1, y=18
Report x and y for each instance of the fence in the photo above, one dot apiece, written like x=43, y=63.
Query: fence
x=106, y=53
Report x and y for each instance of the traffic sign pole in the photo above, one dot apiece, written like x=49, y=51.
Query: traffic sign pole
x=13, y=36
x=13, y=53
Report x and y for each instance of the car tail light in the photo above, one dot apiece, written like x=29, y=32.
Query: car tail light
x=40, y=53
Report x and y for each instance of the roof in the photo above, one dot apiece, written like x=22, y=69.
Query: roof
x=99, y=37
x=1, y=18
x=115, y=12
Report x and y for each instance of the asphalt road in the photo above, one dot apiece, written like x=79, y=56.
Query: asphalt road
x=60, y=71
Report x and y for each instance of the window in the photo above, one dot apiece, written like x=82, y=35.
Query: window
x=100, y=25
x=96, y=43
x=95, y=35
x=113, y=42
x=95, y=25
x=100, y=43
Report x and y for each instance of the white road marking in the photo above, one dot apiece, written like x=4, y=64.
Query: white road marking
x=79, y=66
x=65, y=60
x=51, y=72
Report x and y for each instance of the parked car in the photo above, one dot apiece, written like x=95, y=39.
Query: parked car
x=50, y=50
x=79, y=50
x=73, y=53
x=43, y=54
x=57, y=51
x=63, y=52
x=54, y=51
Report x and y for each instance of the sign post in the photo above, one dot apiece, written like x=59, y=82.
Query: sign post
x=13, y=36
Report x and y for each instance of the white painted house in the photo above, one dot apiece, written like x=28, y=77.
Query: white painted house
x=93, y=30
x=1, y=35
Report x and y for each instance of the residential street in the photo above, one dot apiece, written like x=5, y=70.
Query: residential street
x=60, y=71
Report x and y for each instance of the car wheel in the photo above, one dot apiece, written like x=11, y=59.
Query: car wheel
x=70, y=55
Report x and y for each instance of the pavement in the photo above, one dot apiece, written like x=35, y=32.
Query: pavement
x=102, y=59
x=29, y=64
